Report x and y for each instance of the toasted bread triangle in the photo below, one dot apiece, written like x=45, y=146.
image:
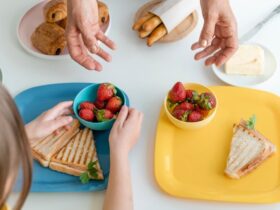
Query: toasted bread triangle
x=45, y=148
x=68, y=152
x=74, y=158
x=248, y=150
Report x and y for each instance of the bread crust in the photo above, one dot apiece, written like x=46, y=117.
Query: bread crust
x=267, y=151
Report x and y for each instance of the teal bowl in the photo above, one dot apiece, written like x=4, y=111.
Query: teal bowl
x=89, y=94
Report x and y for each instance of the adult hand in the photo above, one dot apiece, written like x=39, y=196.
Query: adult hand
x=83, y=33
x=219, y=33
x=125, y=131
x=50, y=121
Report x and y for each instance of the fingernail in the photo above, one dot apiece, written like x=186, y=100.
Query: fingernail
x=203, y=43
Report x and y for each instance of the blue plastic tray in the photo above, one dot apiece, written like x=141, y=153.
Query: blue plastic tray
x=31, y=103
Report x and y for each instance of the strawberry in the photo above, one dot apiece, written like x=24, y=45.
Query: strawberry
x=186, y=106
x=202, y=111
x=114, y=104
x=195, y=116
x=192, y=96
x=207, y=101
x=180, y=114
x=87, y=105
x=105, y=91
x=86, y=114
x=99, y=104
x=177, y=93
x=104, y=115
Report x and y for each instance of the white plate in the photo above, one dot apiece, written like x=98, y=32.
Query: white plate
x=28, y=23
x=270, y=66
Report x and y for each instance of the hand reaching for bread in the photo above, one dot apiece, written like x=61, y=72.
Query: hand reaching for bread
x=83, y=34
x=85, y=20
x=50, y=121
x=151, y=27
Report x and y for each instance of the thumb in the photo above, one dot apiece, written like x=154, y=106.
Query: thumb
x=59, y=122
x=208, y=31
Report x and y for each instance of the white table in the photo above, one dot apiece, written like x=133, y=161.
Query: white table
x=146, y=74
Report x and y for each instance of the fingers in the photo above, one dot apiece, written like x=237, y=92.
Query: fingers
x=195, y=46
x=208, y=50
x=134, y=117
x=100, y=52
x=59, y=109
x=59, y=122
x=211, y=60
x=108, y=42
x=208, y=31
x=122, y=116
x=224, y=56
x=79, y=53
x=91, y=41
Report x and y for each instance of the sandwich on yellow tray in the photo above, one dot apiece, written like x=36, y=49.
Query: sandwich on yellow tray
x=72, y=151
x=249, y=149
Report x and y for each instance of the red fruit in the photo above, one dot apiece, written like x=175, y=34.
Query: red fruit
x=186, y=106
x=177, y=93
x=192, y=95
x=87, y=105
x=195, y=116
x=99, y=104
x=105, y=91
x=104, y=115
x=86, y=114
x=202, y=111
x=114, y=104
x=180, y=114
x=207, y=101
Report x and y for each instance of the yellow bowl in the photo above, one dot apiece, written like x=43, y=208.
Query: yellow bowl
x=192, y=125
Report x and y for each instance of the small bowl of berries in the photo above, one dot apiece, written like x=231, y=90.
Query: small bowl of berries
x=190, y=105
x=98, y=105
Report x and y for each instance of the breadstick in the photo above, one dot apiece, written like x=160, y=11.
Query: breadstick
x=151, y=24
x=143, y=34
x=156, y=35
x=137, y=25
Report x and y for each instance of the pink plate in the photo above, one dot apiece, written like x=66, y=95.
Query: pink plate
x=28, y=23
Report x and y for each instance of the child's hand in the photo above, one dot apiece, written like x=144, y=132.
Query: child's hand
x=49, y=121
x=125, y=131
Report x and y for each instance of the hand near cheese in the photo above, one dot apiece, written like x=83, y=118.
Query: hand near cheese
x=219, y=33
x=50, y=121
x=83, y=33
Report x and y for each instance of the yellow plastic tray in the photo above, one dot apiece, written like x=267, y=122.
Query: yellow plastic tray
x=191, y=164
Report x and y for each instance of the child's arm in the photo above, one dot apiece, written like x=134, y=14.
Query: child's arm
x=49, y=121
x=123, y=136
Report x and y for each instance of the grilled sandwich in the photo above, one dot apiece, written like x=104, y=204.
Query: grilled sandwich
x=44, y=149
x=74, y=158
x=248, y=150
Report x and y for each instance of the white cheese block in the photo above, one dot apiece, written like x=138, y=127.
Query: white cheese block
x=248, y=60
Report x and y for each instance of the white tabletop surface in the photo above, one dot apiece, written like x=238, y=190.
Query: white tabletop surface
x=145, y=74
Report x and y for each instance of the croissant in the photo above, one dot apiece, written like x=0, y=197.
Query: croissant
x=62, y=23
x=55, y=10
x=103, y=13
x=49, y=39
